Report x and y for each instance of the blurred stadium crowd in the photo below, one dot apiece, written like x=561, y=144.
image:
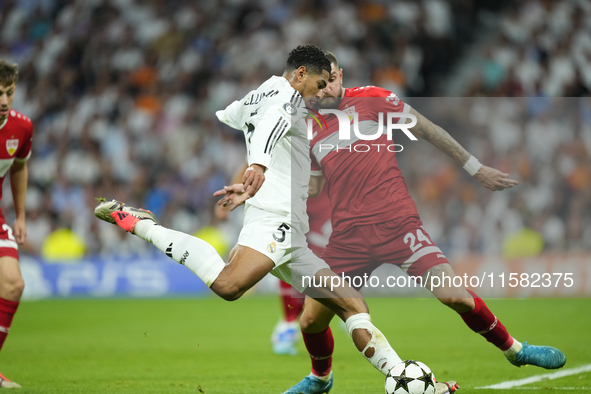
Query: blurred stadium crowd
x=544, y=142
x=122, y=94
x=542, y=48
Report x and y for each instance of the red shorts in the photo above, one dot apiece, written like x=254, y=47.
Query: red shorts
x=8, y=245
x=362, y=249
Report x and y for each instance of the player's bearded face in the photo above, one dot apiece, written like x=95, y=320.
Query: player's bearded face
x=313, y=88
x=332, y=93
x=6, y=98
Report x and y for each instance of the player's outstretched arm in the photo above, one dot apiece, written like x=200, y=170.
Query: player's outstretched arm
x=489, y=177
x=440, y=138
x=494, y=179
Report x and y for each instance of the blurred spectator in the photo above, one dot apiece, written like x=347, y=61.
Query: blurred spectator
x=543, y=46
x=123, y=92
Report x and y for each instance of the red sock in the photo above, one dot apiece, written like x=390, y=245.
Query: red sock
x=483, y=322
x=292, y=306
x=7, y=311
x=320, y=347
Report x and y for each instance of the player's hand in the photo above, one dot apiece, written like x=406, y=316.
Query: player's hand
x=220, y=212
x=234, y=196
x=494, y=179
x=19, y=229
x=253, y=179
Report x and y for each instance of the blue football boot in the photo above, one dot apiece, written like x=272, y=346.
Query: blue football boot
x=311, y=385
x=542, y=356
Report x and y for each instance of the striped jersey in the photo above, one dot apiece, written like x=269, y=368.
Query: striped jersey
x=363, y=180
x=16, y=139
x=272, y=119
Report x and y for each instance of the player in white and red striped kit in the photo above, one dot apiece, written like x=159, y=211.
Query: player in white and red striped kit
x=16, y=135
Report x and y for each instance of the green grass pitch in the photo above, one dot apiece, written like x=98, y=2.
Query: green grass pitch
x=206, y=345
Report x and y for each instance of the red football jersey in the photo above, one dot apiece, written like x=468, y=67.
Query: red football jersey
x=16, y=138
x=320, y=228
x=363, y=180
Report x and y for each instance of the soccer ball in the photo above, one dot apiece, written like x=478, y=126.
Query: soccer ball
x=410, y=377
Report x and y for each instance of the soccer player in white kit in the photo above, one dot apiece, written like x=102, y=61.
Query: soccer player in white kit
x=272, y=239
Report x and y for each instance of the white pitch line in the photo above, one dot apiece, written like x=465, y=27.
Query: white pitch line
x=537, y=378
x=556, y=388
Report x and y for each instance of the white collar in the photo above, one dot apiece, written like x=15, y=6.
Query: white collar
x=5, y=121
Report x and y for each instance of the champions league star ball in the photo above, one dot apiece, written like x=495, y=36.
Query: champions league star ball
x=410, y=377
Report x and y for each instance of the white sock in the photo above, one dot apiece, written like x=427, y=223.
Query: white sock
x=384, y=357
x=324, y=378
x=194, y=253
x=516, y=347
x=143, y=227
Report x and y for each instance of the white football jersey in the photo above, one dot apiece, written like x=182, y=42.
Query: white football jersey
x=272, y=118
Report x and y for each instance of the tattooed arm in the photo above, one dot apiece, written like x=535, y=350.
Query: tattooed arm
x=440, y=138
x=489, y=177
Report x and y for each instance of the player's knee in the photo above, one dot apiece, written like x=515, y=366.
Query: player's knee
x=310, y=323
x=228, y=291
x=19, y=287
x=13, y=287
x=230, y=297
x=231, y=294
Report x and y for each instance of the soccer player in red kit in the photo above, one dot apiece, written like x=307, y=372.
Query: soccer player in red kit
x=375, y=220
x=16, y=134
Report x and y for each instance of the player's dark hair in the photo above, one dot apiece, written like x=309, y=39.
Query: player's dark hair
x=333, y=59
x=310, y=56
x=8, y=73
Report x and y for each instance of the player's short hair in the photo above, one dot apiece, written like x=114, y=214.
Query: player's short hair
x=310, y=56
x=8, y=73
x=333, y=59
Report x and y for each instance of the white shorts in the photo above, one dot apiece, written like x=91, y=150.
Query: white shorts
x=274, y=236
